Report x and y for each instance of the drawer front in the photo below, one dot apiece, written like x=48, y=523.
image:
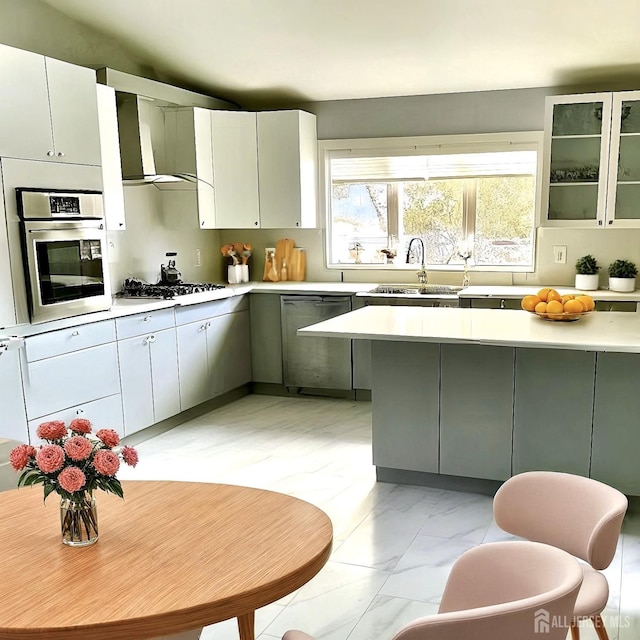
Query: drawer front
x=105, y=413
x=143, y=323
x=65, y=381
x=55, y=343
x=198, y=312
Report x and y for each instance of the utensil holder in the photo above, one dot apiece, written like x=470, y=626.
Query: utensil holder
x=234, y=273
x=244, y=272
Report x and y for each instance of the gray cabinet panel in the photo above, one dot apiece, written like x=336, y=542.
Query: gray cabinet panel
x=236, y=358
x=266, y=338
x=405, y=405
x=553, y=410
x=476, y=411
x=616, y=421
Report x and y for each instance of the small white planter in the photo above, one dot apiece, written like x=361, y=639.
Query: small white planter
x=587, y=282
x=622, y=284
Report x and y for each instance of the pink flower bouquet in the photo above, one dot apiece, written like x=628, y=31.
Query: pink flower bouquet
x=70, y=463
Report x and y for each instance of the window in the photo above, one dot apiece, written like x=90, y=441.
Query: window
x=468, y=198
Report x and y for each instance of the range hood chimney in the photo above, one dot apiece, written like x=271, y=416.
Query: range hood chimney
x=147, y=146
x=142, y=153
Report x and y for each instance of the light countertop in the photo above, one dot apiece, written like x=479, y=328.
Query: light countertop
x=597, y=331
x=129, y=306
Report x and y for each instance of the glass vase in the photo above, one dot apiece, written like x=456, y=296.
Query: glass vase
x=79, y=521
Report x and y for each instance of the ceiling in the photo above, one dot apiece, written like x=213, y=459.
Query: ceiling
x=273, y=52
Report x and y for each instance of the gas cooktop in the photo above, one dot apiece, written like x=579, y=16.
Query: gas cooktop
x=134, y=288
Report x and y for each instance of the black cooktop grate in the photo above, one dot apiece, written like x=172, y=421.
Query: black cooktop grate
x=134, y=288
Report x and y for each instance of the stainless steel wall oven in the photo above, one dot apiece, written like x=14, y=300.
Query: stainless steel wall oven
x=64, y=252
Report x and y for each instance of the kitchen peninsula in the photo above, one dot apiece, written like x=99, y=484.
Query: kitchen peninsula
x=468, y=397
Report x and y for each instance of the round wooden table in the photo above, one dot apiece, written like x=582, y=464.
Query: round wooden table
x=171, y=557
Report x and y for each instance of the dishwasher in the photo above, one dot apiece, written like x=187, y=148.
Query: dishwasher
x=310, y=361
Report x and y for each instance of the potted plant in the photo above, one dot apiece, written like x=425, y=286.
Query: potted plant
x=587, y=273
x=622, y=275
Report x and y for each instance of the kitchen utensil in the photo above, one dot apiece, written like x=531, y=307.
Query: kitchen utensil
x=232, y=254
x=246, y=253
x=274, y=275
x=238, y=247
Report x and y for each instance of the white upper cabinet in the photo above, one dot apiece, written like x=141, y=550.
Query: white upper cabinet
x=254, y=170
x=74, y=112
x=25, y=124
x=235, y=169
x=188, y=152
x=112, y=189
x=49, y=109
x=287, y=169
x=592, y=160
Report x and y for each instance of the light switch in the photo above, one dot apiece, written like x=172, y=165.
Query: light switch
x=560, y=254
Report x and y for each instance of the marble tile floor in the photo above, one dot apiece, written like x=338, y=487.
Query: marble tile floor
x=393, y=544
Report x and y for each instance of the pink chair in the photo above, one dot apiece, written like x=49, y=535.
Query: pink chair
x=576, y=514
x=520, y=590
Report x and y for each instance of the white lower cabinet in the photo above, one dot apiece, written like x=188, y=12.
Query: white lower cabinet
x=73, y=372
x=105, y=413
x=214, y=349
x=71, y=379
x=149, y=379
x=13, y=419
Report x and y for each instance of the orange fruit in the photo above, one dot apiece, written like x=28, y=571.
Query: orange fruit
x=573, y=306
x=553, y=295
x=529, y=302
x=541, y=307
x=554, y=307
x=543, y=293
x=569, y=296
x=587, y=302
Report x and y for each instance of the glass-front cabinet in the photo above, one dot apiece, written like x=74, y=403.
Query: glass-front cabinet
x=623, y=195
x=577, y=133
x=592, y=160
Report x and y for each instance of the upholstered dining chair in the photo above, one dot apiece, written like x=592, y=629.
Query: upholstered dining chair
x=579, y=515
x=518, y=589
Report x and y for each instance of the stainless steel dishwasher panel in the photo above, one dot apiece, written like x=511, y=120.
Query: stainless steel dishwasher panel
x=309, y=361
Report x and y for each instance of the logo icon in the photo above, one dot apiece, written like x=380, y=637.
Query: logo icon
x=541, y=621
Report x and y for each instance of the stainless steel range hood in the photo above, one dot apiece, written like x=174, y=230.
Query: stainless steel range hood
x=142, y=149
x=148, y=154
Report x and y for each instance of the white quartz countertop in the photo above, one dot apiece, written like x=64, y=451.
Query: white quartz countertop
x=597, y=331
x=129, y=306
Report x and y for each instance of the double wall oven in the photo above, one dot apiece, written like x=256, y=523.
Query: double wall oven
x=64, y=252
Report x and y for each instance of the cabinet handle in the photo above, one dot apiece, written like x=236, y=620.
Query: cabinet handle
x=79, y=412
x=610, y=221
x=75, y=333
x=600, y=222
x=149, y=339
x=502, y=303
x=202, y=327
x=50, y=153
x=60, y=154
x=146, y=319
x=208, y=325
x=256, y=223
x=202, y=224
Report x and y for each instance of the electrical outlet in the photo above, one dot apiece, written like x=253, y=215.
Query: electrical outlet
x=560, y=254
x=197, y=261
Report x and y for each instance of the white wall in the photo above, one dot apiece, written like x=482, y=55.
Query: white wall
x=157, y=222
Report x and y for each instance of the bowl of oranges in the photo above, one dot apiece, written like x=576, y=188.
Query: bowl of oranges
x=548, y=304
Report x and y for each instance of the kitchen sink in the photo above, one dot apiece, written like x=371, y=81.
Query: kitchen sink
x=429, y=289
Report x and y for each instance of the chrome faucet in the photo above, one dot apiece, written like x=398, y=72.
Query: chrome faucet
x=422, y=274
